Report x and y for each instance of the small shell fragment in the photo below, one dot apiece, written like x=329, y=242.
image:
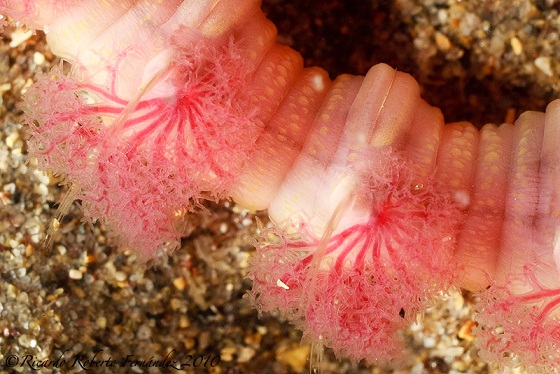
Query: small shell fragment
x=281, y=284
x=465, y=332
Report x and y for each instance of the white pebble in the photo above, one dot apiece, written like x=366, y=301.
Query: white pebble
x=75, y=274
x=41, y=189
x=101, y=322
x=442, y=16
x=5, y=87
x=11, y=139
x=61, y=249
x=543, y=63
x=245, y=354
x=38, y=58
x=9, y=188
x=429, y=342
x=19, y=36
x=443, y=43
x=516, y=46
x=42, y=177
x=144, y=332
x=223, y=228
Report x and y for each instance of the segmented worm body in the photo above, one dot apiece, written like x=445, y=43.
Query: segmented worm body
x=377, y=205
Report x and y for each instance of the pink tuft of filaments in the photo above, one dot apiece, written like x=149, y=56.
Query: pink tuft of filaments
x=140, y=165
x=30, y=13
x=355, y=289
x=519, y=321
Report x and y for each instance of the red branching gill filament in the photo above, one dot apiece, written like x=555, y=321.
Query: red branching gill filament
x=521, y=317
x=350, y=289
x=160, y=154
x=377, y=206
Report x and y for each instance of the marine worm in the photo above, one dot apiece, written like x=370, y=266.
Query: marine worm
x=377, y=206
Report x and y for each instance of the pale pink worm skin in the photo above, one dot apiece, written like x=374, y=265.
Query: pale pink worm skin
x=505, y=181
